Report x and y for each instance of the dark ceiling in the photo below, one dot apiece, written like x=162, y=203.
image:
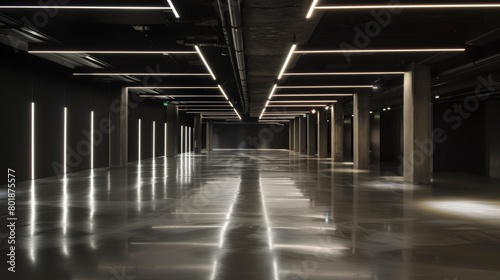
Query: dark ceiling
x=269, y=29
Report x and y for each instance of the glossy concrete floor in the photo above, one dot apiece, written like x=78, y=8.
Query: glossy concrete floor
x=256, y=215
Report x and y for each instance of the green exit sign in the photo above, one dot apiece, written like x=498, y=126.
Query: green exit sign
x=165, y=103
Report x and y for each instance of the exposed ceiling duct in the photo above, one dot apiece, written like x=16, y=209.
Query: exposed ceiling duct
x=239, y=46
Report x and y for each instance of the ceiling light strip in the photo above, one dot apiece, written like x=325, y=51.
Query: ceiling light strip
x=344, y=74
x=63, y=7
x=107, y=52
x=205, y=62
x=287, y=61
x=403, y=6
x=379, y=51
x=298, y=105
x=312, y=8
x=314, y=95
x=303, y=101
x=272, y=91
x=174, y=10
x=141, y=74
x=223, y=92
x=172, y=87
x=325, y=87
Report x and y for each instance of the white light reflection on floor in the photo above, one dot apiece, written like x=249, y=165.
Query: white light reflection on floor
x=64, y=221
x=92, y=209
x=33, y=222
x=489, y=210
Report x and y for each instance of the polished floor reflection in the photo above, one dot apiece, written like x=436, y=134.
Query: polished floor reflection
x=256, y=215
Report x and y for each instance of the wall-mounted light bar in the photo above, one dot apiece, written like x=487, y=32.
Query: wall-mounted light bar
x=223, y=92
x=65, y=140
x=287, y=61
x=166, y=52
x=165, y=139
x=325, y=87
x=380, y=51
x=154, y=139
x=139, y=140
x=273, y=91
x=190, y=138
x=142, y=74
x=32, y=140
x=311, y=9
x=205, y=62
x=182, y=139
x=92, y=140
x=344, y=74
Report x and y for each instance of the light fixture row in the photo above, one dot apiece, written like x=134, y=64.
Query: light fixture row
x=314, y=6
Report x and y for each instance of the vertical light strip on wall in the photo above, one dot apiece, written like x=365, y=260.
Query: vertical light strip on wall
x=182, y=139
x=32, y=140
x=190, y=140
x=92, y=140
x=65, y=138
x=139, y=137
x=154, y=140
x=165, y=139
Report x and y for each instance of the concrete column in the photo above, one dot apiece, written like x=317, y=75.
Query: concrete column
x=361, y=130
x=172, y=130
x=118, y=138
x=417, y=125
x=296, y=131
x=198, y=141
x=291, y=136
x=311, y=134
x=210, y=139
x=322, y=134
x=302, y=135
x=375, y=137
x=337, y=123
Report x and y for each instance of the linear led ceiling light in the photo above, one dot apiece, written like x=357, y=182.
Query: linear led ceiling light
x=223, y=92
x=344, y=74
x=404, y=6
x=63, y=7
x=298, y=105
x=325, y=87
x=174, y=10
x=172, y=87
x=141, y=74
x=292, y=50
x=314, y=95
x=272, y=91
x=205, y=62
x=166, y=52
x=304, y=101
x=380, y=51
x=311, y=10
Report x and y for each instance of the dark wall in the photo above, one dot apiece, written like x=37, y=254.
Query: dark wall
x=250, y=136
x=27, y=79
x=391, y=135
x=465, y=149
x=147, y=111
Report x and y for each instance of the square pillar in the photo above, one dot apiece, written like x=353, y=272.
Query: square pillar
x=297, y=134
x=302, y=135
x=118, y=138
x=210, y=139
x=361, y=128
x=311, y=134
x=418, y=142
x=172, y=130
x=197, y=134
x=322, y=134
x=291, y=135
x=337, y=131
